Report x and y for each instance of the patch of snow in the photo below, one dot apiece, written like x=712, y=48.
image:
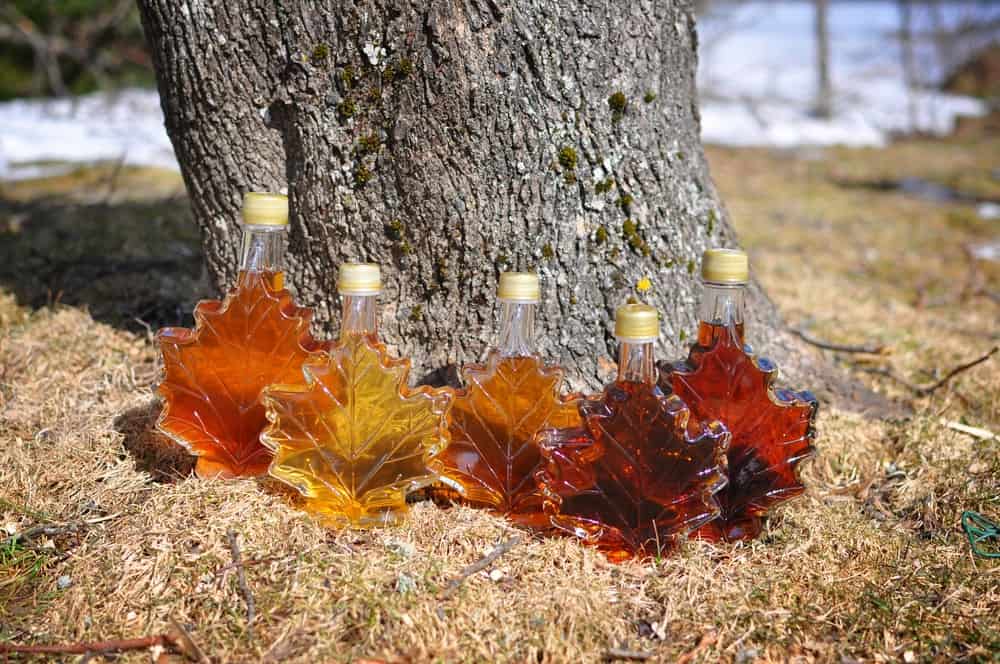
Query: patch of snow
x=125, y=125
x=757, y=76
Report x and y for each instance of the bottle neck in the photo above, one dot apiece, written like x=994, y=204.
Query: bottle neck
x=722, y=306
x=263, y=249
x=635, y=361
x=517, y=329
x=359, y=316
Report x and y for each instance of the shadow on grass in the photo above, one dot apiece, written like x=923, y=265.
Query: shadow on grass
x=133, y=264
x=154, y=453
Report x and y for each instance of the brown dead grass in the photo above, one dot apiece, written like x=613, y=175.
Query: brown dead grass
x=869, y=565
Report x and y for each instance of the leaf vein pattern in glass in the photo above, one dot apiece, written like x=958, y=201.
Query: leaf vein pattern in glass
x=215, y=372
x=772, y=429
x=370, y=439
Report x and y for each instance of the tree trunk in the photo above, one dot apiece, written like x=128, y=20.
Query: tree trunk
x=450, y=140
x=824, y=89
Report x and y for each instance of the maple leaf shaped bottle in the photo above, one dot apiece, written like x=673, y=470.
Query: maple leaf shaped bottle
x=772, y=428
x=214, y=373
x=641, y=472
x=493, y=455
x=349, y=434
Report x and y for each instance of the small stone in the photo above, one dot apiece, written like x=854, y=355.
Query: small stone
x=497, y=575
x=64, y=582
x=405, y=549
x=909, y=656
x=405, y=584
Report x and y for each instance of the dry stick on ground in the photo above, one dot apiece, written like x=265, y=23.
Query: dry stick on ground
x=819, y=343
x=480, y=565
x=115, y=645
x=53, y=530
x=623, y=654
x=242, y=578
x=924, y=390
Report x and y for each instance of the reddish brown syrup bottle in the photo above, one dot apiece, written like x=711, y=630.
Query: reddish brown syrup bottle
x=772, y=429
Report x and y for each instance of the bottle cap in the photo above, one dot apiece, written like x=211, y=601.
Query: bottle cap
x=263, y=209
x=727, y=266
x=359, y=279
x=637, y=322
x=519, y=287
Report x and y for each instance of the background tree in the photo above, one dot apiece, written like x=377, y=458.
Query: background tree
x=450, y=140
x=59, y=47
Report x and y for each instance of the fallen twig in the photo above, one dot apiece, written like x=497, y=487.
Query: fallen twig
x=242, y=578
x=186, y=645
x=842, y=348
x=54, y=530
x=924, y=390
x=114, y=645
x=251, y=563
x=975, y=432
x=706, y=640
x=623, y=654
x=480, y=565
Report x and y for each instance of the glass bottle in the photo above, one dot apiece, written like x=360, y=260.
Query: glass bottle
x=493, y=456
x=641, y=472
x=256, y=335
x=349, y=434
x=772, y=428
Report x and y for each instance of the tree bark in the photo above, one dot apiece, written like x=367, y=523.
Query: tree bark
x=450, y=140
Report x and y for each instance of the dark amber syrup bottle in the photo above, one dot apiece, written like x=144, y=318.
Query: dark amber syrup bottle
x=640, y=474
x=772, y=429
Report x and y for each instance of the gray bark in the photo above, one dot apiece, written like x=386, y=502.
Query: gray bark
x=451, y=140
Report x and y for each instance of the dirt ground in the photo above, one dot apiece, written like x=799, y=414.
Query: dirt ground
x=870, y=565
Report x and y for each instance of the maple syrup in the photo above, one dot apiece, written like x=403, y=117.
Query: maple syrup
x=641, y=472
x=256, y=335
x=349, y=434
x=772, y=429
x=493, y=456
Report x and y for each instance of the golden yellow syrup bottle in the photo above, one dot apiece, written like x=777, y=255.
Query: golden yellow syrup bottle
x=507, y=400
x=641, y=472
x=722, y=379
x=350, y=435
x=255, y=336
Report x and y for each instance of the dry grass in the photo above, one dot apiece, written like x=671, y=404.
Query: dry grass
x=869, y=565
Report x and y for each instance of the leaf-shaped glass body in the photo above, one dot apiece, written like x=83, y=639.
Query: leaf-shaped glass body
x=493, y=454
x=638, y=476
x=215, y=372
x=772, y=429
x=354, y=439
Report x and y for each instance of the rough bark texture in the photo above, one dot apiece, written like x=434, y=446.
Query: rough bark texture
x=450, y=140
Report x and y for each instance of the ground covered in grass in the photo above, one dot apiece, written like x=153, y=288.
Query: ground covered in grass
x=870, y=565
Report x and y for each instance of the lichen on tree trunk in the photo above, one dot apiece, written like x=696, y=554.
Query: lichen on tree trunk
x=451, y=140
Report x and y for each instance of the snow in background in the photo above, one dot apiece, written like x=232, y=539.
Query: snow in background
x=756, y=81
x=125, y=126
x=757, y=74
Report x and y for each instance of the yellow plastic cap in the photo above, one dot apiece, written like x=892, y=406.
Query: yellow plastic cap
x=519, y=287
x=359, y=279
x=637, y=322
x=262, y=209
x=725, y=266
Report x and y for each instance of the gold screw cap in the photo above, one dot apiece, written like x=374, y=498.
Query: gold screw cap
x=727, y=266
x=519, y=287
x=263, y=209
x=637, y=322
x=359, y=279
